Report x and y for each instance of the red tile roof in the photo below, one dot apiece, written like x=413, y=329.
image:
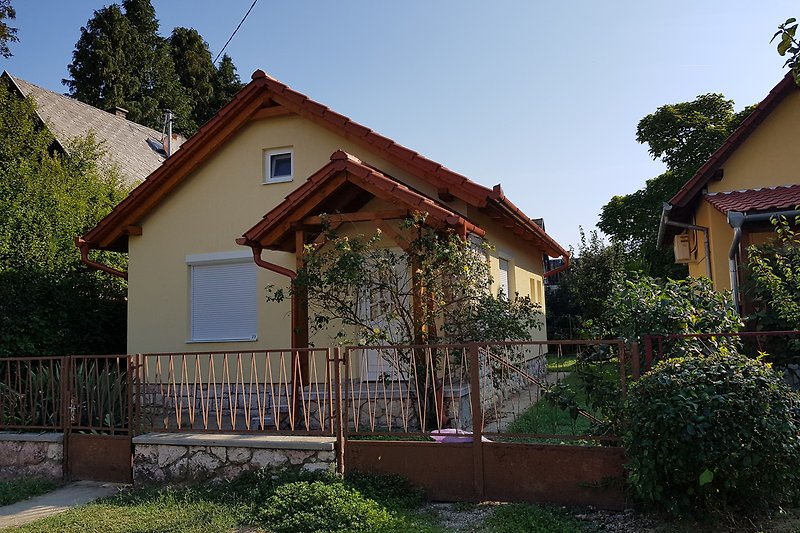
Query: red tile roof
x=265, y=93
x=276, y=229
x=766, y=199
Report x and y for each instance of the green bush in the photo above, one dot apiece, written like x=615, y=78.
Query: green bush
x=711, y=434
x=309, y=507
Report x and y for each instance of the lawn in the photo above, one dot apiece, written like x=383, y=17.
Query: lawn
x=286, y=502
x=16, y=490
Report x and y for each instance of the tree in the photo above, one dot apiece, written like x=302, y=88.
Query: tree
x=7, y=33
x=49, y=302
x=226, y=82
x=788, y=46
x=120, y=60
x=195, y=71
x=683, y=136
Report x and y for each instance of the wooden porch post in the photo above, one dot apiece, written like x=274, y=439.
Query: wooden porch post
x=300, y=331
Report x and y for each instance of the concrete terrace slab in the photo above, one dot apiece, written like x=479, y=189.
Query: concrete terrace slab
x=58, y=501
x=231, y=440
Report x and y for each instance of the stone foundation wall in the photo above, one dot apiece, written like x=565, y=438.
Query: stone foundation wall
x=32, y=455
x=195, y=458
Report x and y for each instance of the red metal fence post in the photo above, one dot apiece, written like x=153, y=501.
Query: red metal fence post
x=477, y=421
x=341, y=442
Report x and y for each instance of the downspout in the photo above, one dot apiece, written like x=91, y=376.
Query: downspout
x=737, y=220
x=283, y=271
x=85, y=248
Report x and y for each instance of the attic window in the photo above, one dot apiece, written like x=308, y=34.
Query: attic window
x=278, y=165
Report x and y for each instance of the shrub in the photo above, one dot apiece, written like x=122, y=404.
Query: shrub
x=306, y=507
x=713, y=433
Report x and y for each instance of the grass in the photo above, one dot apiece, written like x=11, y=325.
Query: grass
x=239, y=506
x=524, y=518
x=544, y=417
x=561, y=363
x=23, y=488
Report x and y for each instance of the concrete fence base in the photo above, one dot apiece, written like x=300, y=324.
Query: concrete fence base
x=190, y=458
x=31, y=455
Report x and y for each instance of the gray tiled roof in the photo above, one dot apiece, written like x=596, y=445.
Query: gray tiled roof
x=136, y=150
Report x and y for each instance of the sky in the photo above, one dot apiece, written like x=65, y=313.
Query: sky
x=541, y=97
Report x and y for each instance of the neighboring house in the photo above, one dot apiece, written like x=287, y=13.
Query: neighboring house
x=134, y=150
x=272, y=150
x=727, y=205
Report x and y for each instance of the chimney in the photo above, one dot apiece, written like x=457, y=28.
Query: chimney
x=120, y=112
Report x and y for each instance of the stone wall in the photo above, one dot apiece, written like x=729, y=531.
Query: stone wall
x=183, y=458
x=34, y=455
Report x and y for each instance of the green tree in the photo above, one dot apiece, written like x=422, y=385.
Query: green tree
x=683, y=136
x=195, y=71
x=121, y=61
x=788, y=46
x=7, y=33
x=589, y=280
x=49, y=302
x=226, y=82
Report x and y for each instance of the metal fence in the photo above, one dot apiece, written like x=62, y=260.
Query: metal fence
x=529, y=390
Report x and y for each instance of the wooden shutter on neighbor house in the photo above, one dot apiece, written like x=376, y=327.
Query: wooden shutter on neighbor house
x=223, y=306
x=502, y=282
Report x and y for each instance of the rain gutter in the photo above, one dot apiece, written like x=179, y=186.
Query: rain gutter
x=85, y=248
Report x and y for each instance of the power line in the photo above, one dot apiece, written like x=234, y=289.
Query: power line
x=234, y=31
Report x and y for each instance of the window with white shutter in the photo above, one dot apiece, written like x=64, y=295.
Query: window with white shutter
x=223, y=301
x=502, y=282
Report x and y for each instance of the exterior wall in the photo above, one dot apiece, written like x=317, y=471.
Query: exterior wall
x=213, y=207
x=35, y=455
x=720, y=238
x=769, y=156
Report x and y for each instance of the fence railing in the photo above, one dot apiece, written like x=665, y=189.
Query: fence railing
x=533, y=389
x=782, y=347
x=271, y=390
x=31, y=393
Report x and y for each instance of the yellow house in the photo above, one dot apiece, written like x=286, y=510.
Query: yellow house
x=201, y=250
x=727, y=205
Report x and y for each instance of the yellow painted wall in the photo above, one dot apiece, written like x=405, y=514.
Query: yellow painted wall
x=720, y=238
x=214, y=206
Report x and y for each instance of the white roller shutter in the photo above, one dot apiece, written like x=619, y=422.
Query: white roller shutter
x=223, y=306
x=502, y=282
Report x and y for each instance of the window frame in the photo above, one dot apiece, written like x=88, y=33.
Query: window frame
x=267, y=164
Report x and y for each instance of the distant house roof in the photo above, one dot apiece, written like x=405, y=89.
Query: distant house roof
x=136, y=150
x=754, y=200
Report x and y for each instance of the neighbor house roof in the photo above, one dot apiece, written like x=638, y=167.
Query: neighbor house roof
x=754, y=200
x=135, y=150
x=266, y=97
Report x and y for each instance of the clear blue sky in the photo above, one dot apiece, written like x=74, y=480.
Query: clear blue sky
x=542, y=97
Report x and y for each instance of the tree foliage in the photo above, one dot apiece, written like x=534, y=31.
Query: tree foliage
x=788, y=46
x=120, y=60
x=774, y=274
x=8, y=34
x=683, y=136
x=49, y=302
